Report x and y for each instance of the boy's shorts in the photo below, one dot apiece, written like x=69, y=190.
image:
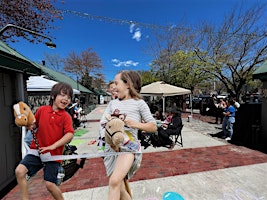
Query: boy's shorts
x=34, y=164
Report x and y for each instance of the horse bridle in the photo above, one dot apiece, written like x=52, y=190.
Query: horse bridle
x=112, y=134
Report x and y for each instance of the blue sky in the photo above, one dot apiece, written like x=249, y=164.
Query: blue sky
x=120, y=45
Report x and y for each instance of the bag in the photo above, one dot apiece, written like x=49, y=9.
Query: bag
x=71, y=166
x=156, y=140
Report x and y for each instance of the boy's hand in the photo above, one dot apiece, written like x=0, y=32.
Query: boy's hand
x=31, y=126
x=48, y=148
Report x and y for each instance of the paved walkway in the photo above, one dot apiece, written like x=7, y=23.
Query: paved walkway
x=205, y=168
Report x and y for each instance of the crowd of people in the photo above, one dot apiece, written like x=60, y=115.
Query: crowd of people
x=225, y=114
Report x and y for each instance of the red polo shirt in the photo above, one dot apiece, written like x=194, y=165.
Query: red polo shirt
x=51, y=127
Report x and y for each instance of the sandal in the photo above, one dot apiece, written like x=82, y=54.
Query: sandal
x=92, y=142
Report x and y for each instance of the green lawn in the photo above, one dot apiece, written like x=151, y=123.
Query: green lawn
x=80, y=132
x=76, y=142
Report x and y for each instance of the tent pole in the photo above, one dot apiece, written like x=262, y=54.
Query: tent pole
x=191, y=102
x=163, y=106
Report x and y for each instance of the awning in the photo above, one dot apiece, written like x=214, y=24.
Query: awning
x=41, y=84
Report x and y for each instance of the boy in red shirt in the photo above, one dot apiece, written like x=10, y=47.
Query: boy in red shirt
x=54, y=130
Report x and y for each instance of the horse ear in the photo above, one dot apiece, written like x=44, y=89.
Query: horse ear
x=122, y=117
x=16, y=109
x=108, y=117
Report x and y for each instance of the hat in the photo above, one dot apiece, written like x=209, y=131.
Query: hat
x=175, y=110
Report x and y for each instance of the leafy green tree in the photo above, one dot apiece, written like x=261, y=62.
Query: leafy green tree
x=147, y=77
x=187, y=70
x=167, y=42
x=37, y=16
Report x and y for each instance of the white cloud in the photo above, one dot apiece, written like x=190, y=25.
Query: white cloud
x=132, y=28
x=128, y=63
x=137, y=35
x=136, y=32
x=115, y=60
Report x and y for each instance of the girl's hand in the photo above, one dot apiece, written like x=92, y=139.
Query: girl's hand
x=130, y=123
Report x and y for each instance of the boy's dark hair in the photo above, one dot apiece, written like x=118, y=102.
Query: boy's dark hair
x=59, y=88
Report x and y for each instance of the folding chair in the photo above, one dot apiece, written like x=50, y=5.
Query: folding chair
x=177, y=138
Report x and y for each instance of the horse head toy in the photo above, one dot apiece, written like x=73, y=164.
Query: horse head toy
x=114, y=131
x=23, y=114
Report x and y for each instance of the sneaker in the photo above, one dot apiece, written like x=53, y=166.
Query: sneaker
x=228, y=139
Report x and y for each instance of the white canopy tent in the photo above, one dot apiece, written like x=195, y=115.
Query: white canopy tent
x=160, y=88
x=42, y=84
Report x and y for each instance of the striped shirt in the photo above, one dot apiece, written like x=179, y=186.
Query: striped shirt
x=136, y=110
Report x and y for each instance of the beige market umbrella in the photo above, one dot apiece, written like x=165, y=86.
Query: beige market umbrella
x=160, y=88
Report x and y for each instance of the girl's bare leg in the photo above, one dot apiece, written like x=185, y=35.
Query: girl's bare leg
x=122, y=166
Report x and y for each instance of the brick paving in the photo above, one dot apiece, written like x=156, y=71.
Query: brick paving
x=154, y=165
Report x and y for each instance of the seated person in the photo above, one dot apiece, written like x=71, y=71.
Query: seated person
x=167, y=116
x=166, y=130
x=158, y=115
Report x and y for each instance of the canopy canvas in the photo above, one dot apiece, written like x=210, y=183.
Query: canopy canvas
x=160, y=88
x=42, y=84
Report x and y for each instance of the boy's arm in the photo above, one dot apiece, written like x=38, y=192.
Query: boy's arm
x=64, y=140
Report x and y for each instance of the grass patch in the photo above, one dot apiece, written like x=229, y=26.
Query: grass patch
x=76, y=142
x=80, y=132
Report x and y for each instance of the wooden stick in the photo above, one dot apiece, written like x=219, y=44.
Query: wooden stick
x=127, y=187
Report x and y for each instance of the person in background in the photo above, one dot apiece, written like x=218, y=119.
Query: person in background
x=76, y=113
x=111, y=89
x=219, y=111
x=236, y=104
x=28, y=138
x=228, y=120
x=138, y=117
x=167, y=116
x=153, y=108
x=172, y=128
x=158, y=115
x=54, y=130
x=101, y=140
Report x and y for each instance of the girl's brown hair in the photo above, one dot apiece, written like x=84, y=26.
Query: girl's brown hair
x=59, y=88
x=134, y=81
